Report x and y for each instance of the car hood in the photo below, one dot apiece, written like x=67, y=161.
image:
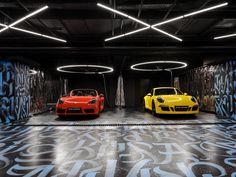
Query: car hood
x=78, y=99
x=176, y=98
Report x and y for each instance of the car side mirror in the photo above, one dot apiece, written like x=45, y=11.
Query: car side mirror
x=185, y=94
x=101, y=95
x=149, y=94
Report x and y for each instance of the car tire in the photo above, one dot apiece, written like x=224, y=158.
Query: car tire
x=98, y=114
x=61, y=117
x=153, y=109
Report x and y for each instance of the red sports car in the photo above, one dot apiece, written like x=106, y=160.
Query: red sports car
x=80, y=102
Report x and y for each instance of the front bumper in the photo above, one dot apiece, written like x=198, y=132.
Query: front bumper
x=179, y=109
x=77, y=110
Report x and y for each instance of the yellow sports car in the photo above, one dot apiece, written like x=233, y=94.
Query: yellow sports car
x=170, y=100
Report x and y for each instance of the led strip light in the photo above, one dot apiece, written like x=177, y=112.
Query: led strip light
x=158, y=24
x=136, y=20
x=62, y=69
x=225, y=36
x=11, y=26
x=134, y=67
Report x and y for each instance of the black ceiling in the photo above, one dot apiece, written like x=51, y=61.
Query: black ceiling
x=85, y=26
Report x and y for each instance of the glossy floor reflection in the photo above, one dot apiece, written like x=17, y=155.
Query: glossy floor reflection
x=123, y=116
x=132, y=151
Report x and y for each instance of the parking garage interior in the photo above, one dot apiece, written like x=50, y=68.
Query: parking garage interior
x=122, y=49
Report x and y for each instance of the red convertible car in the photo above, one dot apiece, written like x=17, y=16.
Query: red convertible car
x=80, y=102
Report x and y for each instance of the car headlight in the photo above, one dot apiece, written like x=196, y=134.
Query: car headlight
x=193, y=99
x=60, y=101
x=93, y=101
x=160, y=100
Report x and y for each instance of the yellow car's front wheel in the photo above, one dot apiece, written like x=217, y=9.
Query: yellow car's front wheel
x=153, y=108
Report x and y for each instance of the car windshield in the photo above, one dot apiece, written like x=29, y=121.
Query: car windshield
x=179, y=92
x=83, y=93
x=167, y=91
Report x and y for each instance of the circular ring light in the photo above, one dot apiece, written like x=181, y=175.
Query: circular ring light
x=135, y=66
x=62, y=69
x=33, y=72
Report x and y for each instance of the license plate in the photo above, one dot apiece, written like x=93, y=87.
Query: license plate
x=74, y=109
x=181, y=107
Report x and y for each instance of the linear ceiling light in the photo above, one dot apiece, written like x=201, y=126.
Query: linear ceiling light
x=38, y=34
x=126, y=34
x=11, y=26
x=168, y=34
x=225, y=36
x=205, y=10
x=191, y=14
x=24, y=18
x=160, y=23
x=123, y=14
x=136, y=20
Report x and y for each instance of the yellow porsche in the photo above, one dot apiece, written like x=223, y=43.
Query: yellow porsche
x=170, y=100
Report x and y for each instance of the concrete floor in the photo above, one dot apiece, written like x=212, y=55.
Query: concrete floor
x=118, y=143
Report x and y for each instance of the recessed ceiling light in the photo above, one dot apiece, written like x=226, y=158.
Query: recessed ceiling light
x=63, y=69
x=135, y=66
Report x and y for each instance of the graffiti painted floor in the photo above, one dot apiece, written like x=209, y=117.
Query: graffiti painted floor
x=132, y=151
x=124, y=116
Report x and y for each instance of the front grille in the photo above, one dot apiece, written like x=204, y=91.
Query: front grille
x=165, y=108
x=89, y=110
x=61, y=110
x=195, y=108
x=74, y=110
x=181, y=108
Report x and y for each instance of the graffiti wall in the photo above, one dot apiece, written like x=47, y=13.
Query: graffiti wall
x=200, y=83
x=37, y=92
x=224, y=89
x=14, y=91
x=214, y=86
x=7, y=91
x=23, y=93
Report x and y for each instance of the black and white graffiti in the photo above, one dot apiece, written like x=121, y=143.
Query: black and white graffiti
x=224, y=89
x=22, y=88
x=173, y=151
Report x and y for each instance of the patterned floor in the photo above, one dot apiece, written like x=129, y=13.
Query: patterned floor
x=132, y=151
x=120, y=143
